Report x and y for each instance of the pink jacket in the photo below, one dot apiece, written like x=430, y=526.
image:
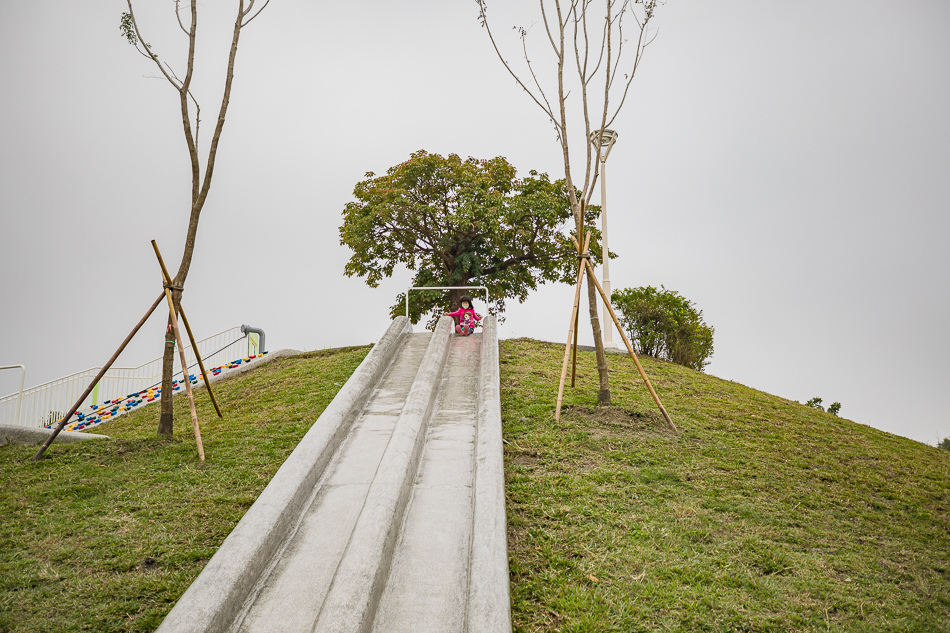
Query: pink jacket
x=465, y=315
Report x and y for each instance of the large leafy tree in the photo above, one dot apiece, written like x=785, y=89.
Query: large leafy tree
x=460, y=222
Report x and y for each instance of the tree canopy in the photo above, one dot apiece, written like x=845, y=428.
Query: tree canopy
x=664, y=324
x=461, y=222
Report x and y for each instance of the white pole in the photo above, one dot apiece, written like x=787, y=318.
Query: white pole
x=19, y=396
x=607, y=324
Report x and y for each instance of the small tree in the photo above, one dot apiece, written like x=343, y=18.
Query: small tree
x=815, y=403
x=833, y=408
x=191, y=121
x=460, y=222
x=664, y=324
x=944, y=444
x=596, y=51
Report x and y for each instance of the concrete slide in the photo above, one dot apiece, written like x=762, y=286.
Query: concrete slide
x=389, y=516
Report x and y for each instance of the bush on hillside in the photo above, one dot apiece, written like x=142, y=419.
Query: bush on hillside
x=944, y=444
x=815, y=403
x=664, y=324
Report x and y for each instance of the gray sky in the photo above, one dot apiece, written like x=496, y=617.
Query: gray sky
x=784, y=166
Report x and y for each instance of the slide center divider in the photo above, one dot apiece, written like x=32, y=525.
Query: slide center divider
x=216, y=598
x=361, y=575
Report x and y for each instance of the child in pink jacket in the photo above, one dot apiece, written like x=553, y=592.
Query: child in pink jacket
x=467, y=317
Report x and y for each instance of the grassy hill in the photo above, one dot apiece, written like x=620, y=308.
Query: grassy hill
x=760, y=515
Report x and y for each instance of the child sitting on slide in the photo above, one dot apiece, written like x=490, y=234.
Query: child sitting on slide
x=467, y=317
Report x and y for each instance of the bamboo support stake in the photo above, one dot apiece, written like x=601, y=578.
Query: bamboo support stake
x=613, y=315
x=184, y=373
x=577, y=319
x=191, y=336
x=95, y=381
x=571, y=328
x=580, y=266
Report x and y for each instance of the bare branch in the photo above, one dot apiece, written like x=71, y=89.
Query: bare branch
x=549, y=110
x=146, y=49
x=547, y=28
x=484, y=20
x=178, y=16
x=250, y=7
x=641, y=47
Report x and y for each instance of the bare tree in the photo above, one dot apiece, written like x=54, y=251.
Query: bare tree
x=191, y=122
x=597, y=60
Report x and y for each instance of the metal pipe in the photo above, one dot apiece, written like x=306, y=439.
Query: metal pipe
x=608, y=326
x=446, y=288
x=247, y=328
x=19, y=397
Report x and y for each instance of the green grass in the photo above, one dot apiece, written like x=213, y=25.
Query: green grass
x=760, y=515
x=106, y=536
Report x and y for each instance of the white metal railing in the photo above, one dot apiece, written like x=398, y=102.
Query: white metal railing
x=446, y=288
x=47, y=403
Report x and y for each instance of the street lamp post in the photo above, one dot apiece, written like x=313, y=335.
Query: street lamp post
x=605, y=139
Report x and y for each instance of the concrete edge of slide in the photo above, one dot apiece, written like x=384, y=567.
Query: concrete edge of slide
x=359, y=580
x=14, y=434
x=489, y=601
x=217, y=597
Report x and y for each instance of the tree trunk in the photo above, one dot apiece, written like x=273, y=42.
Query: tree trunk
x=166, y=424
x=603, y=394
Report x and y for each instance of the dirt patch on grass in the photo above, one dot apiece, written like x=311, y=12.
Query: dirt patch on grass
x=612, y=420
x=528, y=461
x=148, y=565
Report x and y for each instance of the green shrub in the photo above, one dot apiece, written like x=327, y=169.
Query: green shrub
x=663, y=324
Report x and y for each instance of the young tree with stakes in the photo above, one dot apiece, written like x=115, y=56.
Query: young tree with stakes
x=593, y=52
x=191, y=121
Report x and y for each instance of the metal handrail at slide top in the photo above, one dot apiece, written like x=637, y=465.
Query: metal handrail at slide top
x=445, y=288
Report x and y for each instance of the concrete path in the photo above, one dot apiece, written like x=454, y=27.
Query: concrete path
x=389, y=515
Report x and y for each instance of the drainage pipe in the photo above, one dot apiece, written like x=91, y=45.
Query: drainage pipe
x=247, y=328
x=19, y=397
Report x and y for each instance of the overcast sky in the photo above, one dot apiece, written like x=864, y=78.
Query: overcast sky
x=785, y=166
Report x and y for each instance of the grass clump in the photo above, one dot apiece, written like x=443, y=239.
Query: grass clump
x=760, y=515
x=106, y=535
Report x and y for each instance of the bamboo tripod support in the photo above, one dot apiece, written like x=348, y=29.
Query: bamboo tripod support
x=572, y=327
x=577, y=318
x=586, y=265
x=166, y=281
x=184, y=371
x=191, y=336
x=95, y=381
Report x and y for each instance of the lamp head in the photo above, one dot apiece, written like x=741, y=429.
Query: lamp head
x=604, y=139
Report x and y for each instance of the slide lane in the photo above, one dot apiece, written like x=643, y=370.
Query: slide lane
x=389, y=515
